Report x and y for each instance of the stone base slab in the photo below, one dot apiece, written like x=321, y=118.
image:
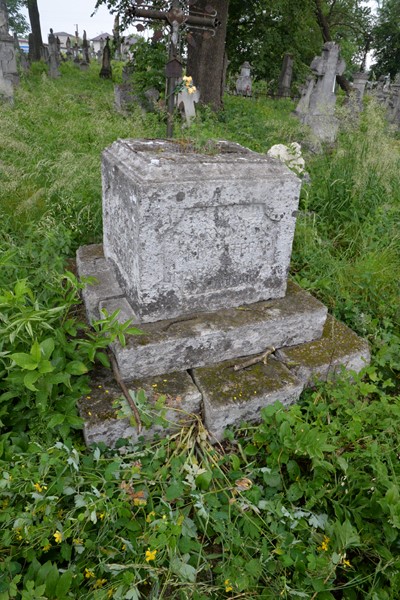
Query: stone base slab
x=199, y=339
x=169, y=403
x=338, y=348
x=231, y=397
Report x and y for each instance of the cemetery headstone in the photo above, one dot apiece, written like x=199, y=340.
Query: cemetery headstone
x=53, y=56
x=85, y=53
x=317, y=107
x=69, y=52
x=106, y=70
x=244, y=81
x=359, y=84
x=123, y=93
x=186, y=99
x=75, y=52
x=394, y=102
x=196, y=250
x=285, y=79
x=8, y=62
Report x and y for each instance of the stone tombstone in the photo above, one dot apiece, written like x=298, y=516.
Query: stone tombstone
x=69, y=52
x=285, y=79
x=319, y=115
x=8, y=61
x=53, y=56
x=75, y=52
x=359, y=84
x=124, y=96
x=190, y=232
x=106, y=70
x=186, y=101
x=244, y=82
x=394, y=102
x=85, y=52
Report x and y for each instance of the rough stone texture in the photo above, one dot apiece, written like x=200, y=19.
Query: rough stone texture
x=8, y=61
x=124, y=97
x=360, y=81
x=285, y=79
x=317, y=104
x=244, y=82
x=324, y=358
x=204, y=338
x=230, y=397
x=105, y=422
x=192, y=232
x=90, y=262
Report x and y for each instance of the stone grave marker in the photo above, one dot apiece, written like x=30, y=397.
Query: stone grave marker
x=8, y=62
x=196, y=251
x=186, y=101
x=53, y=56
x=285, y=79
x=106, y=70
x=359, y=84
x=244, y=82
x=317, y=105
x=124, y=97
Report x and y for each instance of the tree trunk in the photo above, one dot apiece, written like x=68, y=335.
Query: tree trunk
x=326, y=35
x=34, y=19
x=206, y=60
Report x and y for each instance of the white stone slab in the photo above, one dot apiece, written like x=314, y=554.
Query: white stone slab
x=192, y=232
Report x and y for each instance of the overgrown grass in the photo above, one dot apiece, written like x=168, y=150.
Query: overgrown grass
x=305, y=505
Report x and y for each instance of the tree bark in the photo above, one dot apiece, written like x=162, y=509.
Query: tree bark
x=206, y=60
x=34, y=19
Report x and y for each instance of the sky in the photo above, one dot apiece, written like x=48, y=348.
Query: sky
x=64, y=15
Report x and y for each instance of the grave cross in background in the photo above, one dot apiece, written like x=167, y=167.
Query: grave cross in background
x=177, y=19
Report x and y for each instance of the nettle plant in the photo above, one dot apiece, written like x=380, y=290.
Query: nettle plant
x=45, y=352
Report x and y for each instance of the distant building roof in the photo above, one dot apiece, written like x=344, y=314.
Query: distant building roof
x=63, y=33
x=102, y=36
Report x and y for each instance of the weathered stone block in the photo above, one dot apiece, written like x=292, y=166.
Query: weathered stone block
x=90, y=262
x=231, y=397
x=181, y=344
x=339, y=347
x=191, y=232
x=105, y=422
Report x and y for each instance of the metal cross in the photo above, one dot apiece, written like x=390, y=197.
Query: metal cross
x=177, y=19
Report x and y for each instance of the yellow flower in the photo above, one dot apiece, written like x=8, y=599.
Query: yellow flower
x=99, y=583
x=150, y=555
x=89, y=573
x=110, y=593
x=324, y=544
x=58, y=537
x=150, y=516
x=38, y=487
x=346, y=563
x=101, y=516
x=228, y=587
x=192, y=89
x=123, y=547
x=46, y=547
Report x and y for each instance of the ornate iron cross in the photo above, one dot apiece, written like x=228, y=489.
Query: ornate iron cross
x=177, y=17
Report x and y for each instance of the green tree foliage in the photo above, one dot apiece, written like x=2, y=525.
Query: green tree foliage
x=387, y=38
x=265, y=30
x=17, y=21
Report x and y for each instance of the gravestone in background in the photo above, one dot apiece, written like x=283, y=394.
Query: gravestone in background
x=124, y=97
x=53, y=56
x=317, y=105
x=285, y=79
x=244, y=82
x=8, y=62
x=186, y=101
x=196, y=251
x=359, y=84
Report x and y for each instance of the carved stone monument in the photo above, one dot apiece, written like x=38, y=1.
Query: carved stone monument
x=53, y=56
x=124, y=96
x=106, y=70
x=244, y=82
x=359, y=84
x=285, y=79
x=186, y=101
x=8, y=62
x=317, y=104
x=196, y=251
